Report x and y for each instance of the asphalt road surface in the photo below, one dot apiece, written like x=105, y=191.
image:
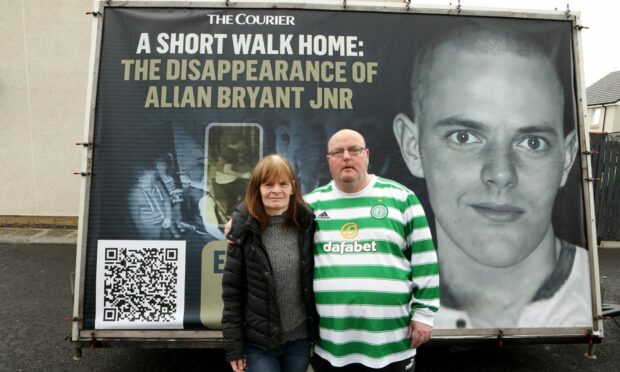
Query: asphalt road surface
x=35, y=296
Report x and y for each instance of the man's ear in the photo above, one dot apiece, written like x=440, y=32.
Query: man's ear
x=571, y=146
x=407, y=135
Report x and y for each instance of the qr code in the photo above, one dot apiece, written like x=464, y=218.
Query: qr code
x=140, y=284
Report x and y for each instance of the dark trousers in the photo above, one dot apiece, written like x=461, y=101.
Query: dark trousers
x=321, y=365
x=294, y=357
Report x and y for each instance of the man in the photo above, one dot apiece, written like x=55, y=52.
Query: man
x=149, y=205
x=376, y=277
x=488, y=135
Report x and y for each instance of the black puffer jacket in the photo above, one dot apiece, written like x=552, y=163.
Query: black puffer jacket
x=251, y=315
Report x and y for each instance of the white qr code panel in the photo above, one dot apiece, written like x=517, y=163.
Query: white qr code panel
x=140, y=284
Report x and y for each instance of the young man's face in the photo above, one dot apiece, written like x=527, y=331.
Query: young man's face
x=147, y=178
x=493, y=152
x=162, y=167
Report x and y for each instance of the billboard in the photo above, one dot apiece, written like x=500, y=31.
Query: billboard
x=476, y=113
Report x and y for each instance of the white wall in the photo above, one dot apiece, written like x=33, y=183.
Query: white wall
x=608, y=118
x=45, y=46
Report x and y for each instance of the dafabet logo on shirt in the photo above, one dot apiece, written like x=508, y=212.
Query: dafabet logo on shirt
x=349, y=231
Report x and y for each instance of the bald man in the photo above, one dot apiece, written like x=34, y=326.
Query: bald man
x=489, y=136
x=376, y=279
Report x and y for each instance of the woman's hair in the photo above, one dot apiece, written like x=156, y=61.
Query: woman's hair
x=272, y=168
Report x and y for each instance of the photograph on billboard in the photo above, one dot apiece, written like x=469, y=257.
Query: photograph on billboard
x=477, y=115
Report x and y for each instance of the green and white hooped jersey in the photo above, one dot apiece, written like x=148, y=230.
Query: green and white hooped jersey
x=375, y=270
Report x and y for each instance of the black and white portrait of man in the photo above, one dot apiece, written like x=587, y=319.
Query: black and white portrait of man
x=489, y=134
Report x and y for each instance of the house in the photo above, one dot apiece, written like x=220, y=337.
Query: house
x=603, y=99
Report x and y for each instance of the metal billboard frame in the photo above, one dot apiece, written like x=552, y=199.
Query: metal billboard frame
x=213, y=338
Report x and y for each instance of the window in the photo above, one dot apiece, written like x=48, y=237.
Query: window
x=596, y=117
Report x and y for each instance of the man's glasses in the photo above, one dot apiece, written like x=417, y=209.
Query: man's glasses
x=353, y=151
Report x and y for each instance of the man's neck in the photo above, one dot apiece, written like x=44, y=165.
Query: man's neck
x=482, y=290
x=353, y=187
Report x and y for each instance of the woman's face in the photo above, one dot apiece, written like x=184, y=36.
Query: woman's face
x=276, y=195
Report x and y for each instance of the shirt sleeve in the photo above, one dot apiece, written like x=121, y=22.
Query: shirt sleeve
x=424, y=266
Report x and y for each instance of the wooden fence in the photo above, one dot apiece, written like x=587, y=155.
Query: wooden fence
x=605, y=163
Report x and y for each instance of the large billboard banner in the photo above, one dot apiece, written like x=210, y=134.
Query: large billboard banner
x=478, y=115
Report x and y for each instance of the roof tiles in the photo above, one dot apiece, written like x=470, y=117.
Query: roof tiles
x=606, y=90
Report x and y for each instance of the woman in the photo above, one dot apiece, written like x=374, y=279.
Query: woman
x=269, y=316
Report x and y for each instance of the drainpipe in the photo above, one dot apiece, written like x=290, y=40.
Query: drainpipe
x=604, y=117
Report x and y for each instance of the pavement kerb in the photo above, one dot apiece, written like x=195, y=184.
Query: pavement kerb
x=16, y=235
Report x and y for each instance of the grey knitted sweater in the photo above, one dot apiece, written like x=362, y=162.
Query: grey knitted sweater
x=282, y=249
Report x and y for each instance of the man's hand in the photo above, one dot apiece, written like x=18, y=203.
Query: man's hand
x=419, y=333
x=238, y=365
x=167, y=223
x=227, y=230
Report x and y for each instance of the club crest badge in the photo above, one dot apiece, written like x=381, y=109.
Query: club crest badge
x=379, y=211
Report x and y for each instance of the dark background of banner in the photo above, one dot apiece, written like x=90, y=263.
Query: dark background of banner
x=127, y=136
